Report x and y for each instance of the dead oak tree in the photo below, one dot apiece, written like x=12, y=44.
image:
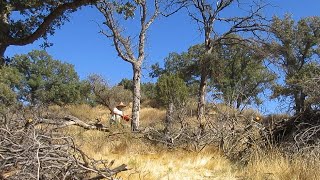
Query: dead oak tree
x=124, y=45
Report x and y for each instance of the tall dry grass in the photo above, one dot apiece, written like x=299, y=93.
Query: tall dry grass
x=278, y=166
x=151, y=161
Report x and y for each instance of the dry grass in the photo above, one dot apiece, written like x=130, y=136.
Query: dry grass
x=170, y=164
x=148, y=161
x=274, y=165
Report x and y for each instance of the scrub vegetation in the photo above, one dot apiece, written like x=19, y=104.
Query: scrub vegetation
x=200, y=117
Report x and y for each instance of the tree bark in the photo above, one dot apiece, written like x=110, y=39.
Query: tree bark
x=204, y=71
x=136, y=97
x=202, y=98
x=169, y=119
x=299, y=100
x=204, y=74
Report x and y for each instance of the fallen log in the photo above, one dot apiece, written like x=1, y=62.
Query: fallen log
x=71, y=120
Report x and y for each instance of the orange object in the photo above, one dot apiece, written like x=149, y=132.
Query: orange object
x=126, y=117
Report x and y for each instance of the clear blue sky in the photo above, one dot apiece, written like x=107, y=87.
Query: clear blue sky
x=78, y=41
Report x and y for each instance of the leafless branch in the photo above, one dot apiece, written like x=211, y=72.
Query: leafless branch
x=40, y=153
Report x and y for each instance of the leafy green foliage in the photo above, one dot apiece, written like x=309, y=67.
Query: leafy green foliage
x=9, y=81
x=147, y=89
x=244, y=75
x=237, y=73
x=309, y=80
x=20, y=19
x=171, y=89
x=46, y=80
x=185, y=65
x=296, y=46
x=126, y=9
x=126, y=83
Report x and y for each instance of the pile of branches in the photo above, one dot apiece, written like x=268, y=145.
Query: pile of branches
x=236, y=135
x=298, y=133
x=33, y=151
x=239, y=135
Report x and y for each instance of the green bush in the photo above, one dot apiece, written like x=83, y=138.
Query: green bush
x=46, y=81
x=9, y=81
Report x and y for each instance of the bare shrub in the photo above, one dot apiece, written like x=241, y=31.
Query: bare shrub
x=31, y=151
x=236, y=134
x=106, y=95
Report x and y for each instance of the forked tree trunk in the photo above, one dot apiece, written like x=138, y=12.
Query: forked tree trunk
x=136, y=97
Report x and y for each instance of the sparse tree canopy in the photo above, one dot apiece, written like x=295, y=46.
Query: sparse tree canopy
x=114, y=13
x=185, y=65
x=296, y=45
x=46, y=80
x=105, y=94
x=23, y=22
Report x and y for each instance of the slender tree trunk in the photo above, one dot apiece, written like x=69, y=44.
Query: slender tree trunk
x=136, y=97
x=204, y=74
x=202, y=98
x=2, y=51
x=238, y=104
x=299, y=99
x=169, y=119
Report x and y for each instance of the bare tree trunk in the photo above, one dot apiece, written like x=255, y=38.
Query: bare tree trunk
x=136, y=97
x=169, y=119
x=299, y=100
x=204, y=75
x=202, y=98
x=204, y=72
x=125, y=48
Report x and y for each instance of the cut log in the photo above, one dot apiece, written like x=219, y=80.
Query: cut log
x=71, y=120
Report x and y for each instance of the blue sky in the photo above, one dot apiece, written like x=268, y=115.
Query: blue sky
x=78, y=41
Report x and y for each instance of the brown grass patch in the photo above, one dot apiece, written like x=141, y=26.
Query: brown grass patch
x=148, y=161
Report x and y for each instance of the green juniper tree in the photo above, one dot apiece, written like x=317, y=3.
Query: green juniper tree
x=295, y=47
x=9, y=81
x=172, y=92
x=237, y=70
x=46, y=81
x=243, y=74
